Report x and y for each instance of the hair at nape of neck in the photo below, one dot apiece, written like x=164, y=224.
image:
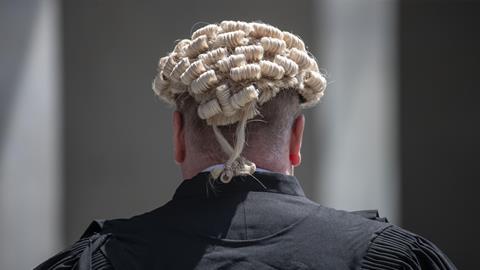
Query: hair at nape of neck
x=231, y=70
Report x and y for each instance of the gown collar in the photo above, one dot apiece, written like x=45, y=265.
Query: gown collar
x=202, y=185
x=222, y=165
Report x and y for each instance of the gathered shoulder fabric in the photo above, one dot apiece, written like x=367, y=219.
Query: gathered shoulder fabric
x=396, y=248
x=85, y=254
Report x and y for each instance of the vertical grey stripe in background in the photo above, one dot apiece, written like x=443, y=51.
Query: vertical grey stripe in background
x=358, y=115
x=30, y=187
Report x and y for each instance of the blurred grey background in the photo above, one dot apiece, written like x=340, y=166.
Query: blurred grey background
x=82, y=136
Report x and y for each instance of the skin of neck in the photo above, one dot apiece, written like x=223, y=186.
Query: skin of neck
x=192, y=161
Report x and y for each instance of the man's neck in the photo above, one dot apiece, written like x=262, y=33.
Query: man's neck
x=189, y=171
x=210, y=168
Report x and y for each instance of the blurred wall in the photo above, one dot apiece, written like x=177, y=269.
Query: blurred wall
x=30, y=186
x=357, y=118
x=439, y=124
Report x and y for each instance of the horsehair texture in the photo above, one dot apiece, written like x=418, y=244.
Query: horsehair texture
x=230, y=69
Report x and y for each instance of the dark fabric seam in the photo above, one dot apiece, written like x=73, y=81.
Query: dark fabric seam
x=372, y=240
x=245, y=220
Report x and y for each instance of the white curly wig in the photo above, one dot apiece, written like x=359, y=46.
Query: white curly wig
x=232, y=68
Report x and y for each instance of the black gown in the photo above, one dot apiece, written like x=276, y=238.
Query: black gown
x=248, y=225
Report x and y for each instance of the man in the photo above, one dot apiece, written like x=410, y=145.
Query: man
x=239, y=89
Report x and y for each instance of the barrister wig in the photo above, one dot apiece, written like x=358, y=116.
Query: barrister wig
x=232, y=68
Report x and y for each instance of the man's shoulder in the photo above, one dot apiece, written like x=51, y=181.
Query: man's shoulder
x=347, y=233
x=377, y=244
x=100, y=244
x=86, y=253
x=365, y=222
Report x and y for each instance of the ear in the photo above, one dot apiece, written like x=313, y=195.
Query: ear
x=178, y=137
x=296, y=140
